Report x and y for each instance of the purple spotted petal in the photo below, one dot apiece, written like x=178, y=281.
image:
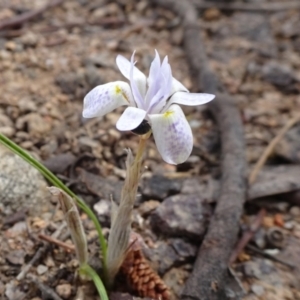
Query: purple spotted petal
x=131, y=118
x=190, y=99
x=172, y=134
x=105, y=98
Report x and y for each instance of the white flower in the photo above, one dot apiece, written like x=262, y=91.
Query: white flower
x=153, y=99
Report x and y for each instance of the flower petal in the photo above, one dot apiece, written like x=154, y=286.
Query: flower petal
x=177, y=86
x=134, y=88
x=105, y=98
x=165, y=78
x=190, y=99
x=131, y=118
x=172, y=134
x=139, y=77
x=154, y=81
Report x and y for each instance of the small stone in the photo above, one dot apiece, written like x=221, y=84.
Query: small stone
x=16, y=257
x=41, y=269
x=103, y=210
x=212, y=14
x=29, y=39
x=278, y=74
x=147, y=207
x=17, y=230
x=159, y=187
x=258, y=290
x=7, y=131
x=37, y=124
x=175, y=279
x=288, y=147
x=27, y=105
x=64, y=290
x=184, y=249
x=295, y=211
x=13, y=291
x=182, y=216
x=11, y=46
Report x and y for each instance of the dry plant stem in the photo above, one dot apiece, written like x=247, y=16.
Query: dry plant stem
x=47, y=292
x=259, y=7
x=41, y=251
x=20, y=19
x=269, y=256
x=118, y=240
x=208, y=280
x=268, y=151
x=247, y=236
x=57, y=242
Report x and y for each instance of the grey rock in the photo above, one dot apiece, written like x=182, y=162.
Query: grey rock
x=159, y=187
x=13, y=291
x=184, y=249
x=16, y=257
x=105, y=188
x=257, y=289
x=60, y=162
x=175, y=279
x=289, y=146
x=208, y=188
x=182, y=216
x=274, y=180
x=21, y=185
x=278, y=74
x=164, y=258
x=70, y=82
x=41, y=269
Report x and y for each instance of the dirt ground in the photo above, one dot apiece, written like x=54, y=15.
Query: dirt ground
x=48, y=64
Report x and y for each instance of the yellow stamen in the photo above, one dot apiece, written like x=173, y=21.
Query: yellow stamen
x=168, y=113
x=118, y=90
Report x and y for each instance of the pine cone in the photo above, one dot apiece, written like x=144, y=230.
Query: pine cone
x=141, y=278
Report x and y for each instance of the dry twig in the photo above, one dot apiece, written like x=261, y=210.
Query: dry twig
x=259, y=7
x=47, y=292
x=271, y=147
x=269, y=256
x=247, y=236
x=20, y=19
x=47, y=238
x=41, y=251
x=211, y=266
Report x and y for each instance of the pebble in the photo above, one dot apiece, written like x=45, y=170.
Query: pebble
x=278, y=74
x=295, y=211
x=212, y=14
x=16, y=257
x=257, y=289
x=159, y=187
x=7, y=131
x=103, y=210
x=41, y=269
x=64, y=290
x=147, y=207
x=182, y=216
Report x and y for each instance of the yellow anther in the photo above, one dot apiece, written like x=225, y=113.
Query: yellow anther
x=168, y=113
x=118, y=89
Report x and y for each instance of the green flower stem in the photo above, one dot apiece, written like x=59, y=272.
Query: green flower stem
x=55, y=181
x=90, y=272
